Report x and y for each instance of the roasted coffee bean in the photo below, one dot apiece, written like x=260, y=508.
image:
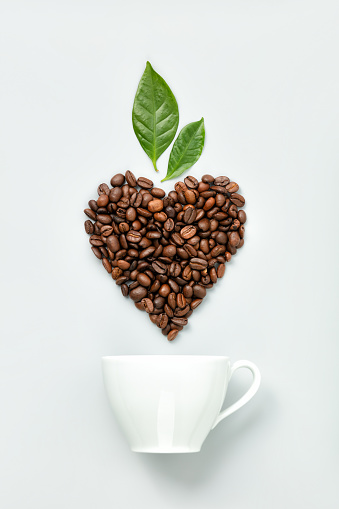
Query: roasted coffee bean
x=144, y=183
x=198, y=264
x=181, y=301
x=168, y=310
x=164, y=290
x=188, y=231
x=207, y=179
x=123, y=264
x=159, y=302
x=147, y=305
x=113, y=243
x=143, y=279
x=172, y=334
x=155, y=205
x=159, y=267
x=190, y=196
x=162, y=320
x=103, y=200
x=117, y=180
x=89, y=227
x=146, y=252
x=242, y=216
x=134, y=237
x=97, y=252
x=124, y=290
x=179, y=321
x=189, y=215
x=191, y=182
x=93, y=205
x=157, y=192
x=90, y=213
x=232, y=187
x=96, y=241
x=233, y=211
x=130, y=178
x=234, y=239
x=107, y=265
x=174, y=269
x=138, y=293
x=172, y=300
x=195, y=303
x=237, y=199
x=169, y=251
x=160, y=216
x=199, y=291
x=103, y=189
x=166, y=251
x=221, y=181
x=169, y=225
x=221, y=270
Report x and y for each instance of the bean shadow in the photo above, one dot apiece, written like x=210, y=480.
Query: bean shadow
x=220, y=445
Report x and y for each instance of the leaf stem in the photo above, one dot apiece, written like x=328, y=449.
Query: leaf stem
x=155, y=165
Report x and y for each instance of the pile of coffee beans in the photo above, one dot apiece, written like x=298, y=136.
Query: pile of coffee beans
x=166, y=251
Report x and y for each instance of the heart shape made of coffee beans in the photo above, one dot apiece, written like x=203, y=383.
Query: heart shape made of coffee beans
x=166, y=251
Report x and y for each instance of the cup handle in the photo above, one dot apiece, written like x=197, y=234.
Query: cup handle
x=247, y=396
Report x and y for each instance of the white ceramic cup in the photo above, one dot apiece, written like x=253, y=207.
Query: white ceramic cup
x=169, y=403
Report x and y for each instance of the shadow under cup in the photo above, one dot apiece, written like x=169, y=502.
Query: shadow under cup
x=167, y=403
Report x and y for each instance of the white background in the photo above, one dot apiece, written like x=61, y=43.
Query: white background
x=264, y=74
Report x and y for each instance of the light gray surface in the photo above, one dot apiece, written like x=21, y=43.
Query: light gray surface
x=265, y=77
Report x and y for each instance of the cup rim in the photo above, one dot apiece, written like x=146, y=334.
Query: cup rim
x=164, y=356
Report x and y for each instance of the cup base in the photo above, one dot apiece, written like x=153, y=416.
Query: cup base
x=158, y=450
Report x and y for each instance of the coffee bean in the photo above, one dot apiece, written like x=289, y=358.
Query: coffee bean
x=103, y=189
x=134, y=237
x=138, y=293
x=179, y=321
x=157, y=192
x=130, y=178
x=237, y=199
x=199, y=291
x=113, y=243
x=242, y=216
x=188, y=231
x=146, y=252
x=117, y=180
x=169, y=251
x=90, y=213
x=115, y=194
x=195, y=303
x=181, y=301
x=221, y=270
x=207, y=179
x=169, y=225
x=191, y=182
x=198, y=264
x=103, y=200
x=147, y=305
x=155, y=205
x=172, y=334
x=124, y=290
x=89, y=227
x=159, y=267
x=189, y=215
x=234, y=239
x=144, y=183
x=97, y=252
x=143, y=279
x=221, y=181
x=209, y=203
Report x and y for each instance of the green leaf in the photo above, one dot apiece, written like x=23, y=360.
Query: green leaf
x=186, y=150
x=155, y=114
